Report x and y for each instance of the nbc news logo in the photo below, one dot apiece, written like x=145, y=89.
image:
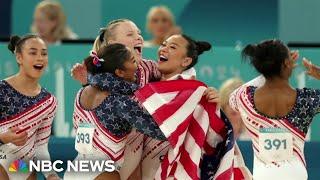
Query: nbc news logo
x=18, y=166
x=72, y=166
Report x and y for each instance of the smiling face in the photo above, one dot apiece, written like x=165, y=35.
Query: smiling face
x=33, y=58
x=172, y=56
x=128, y=34
x=128, y=72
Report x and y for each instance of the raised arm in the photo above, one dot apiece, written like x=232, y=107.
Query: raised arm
x=312, y=70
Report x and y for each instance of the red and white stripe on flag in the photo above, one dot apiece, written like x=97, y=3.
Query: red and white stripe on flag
x=189, y=122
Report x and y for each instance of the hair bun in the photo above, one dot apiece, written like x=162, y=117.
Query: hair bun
x=249, y=50
x=267, y=57
x=13, y=42
x=202, y=46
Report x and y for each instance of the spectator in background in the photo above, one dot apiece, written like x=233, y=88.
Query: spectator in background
x=49, y=22
x=226, y=89
x=161, y=24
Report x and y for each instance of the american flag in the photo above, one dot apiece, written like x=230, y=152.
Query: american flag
x=202, y=143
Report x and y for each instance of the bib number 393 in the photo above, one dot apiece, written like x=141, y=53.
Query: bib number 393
x=275, y=144
x=84, y=137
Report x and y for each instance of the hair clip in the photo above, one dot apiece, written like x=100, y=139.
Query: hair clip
x=96, y=60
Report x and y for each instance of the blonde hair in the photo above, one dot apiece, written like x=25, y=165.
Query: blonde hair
x=53, y=10
x=164, y=9
x=107, y=33
x=97, y=44
x=227, y=88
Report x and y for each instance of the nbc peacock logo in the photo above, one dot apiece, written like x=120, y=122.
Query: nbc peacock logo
x=18, y=166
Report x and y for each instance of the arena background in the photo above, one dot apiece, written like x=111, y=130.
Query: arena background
x=227, y=24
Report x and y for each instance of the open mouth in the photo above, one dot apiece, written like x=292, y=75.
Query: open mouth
x=138, y=49
x=38, y=67
x=163, y=58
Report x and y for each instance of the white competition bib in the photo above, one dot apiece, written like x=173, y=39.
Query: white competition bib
x=275, y=144
x=84, y=137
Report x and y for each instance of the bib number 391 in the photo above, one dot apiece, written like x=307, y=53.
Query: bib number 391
x=275, y=144
x=84, y=136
